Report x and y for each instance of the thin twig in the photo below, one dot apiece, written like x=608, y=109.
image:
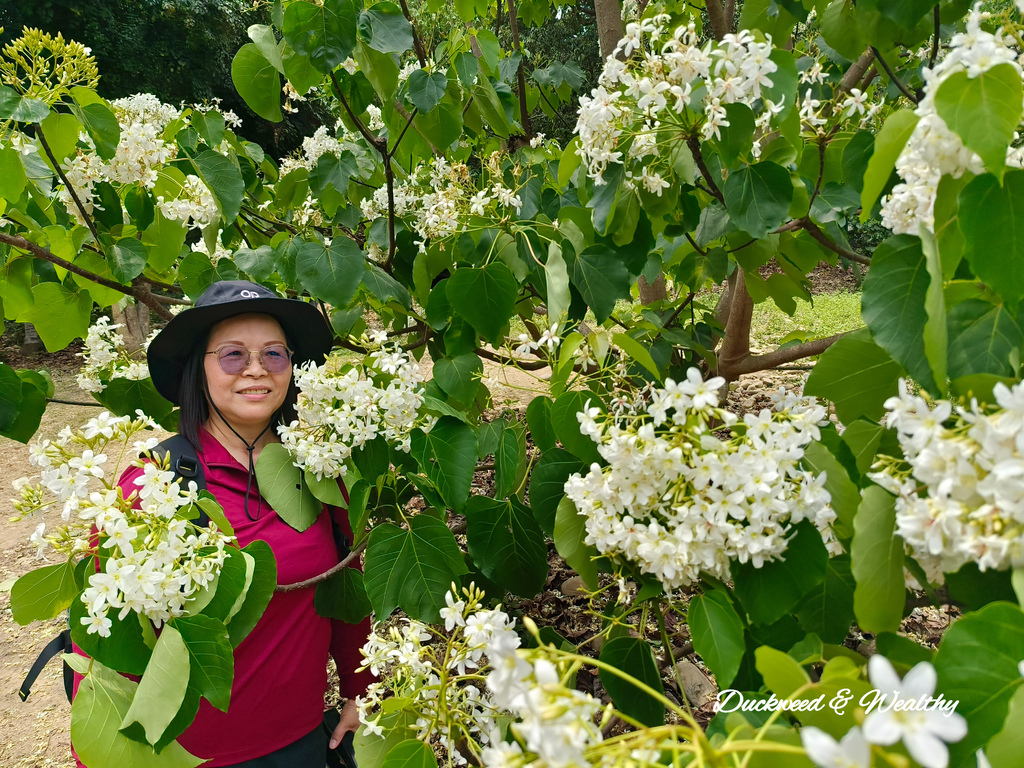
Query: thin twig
x=417, y=44
x=38, y=251
x=524, y=111
x=679, y=309
x=526, y=365
x=821, y=237
x=694, y=146
x=346, y=561
x=72, y=402
x=375, y=141
x=67, y=185
x=935, y=38
x=892, y=76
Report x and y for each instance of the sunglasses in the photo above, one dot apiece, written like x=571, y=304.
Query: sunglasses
x=234, y=358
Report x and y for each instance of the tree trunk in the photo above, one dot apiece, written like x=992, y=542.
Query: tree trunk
x=721, y=17
x=609, y=25
x=652, y=292
x=134, y=319
x=32, y=344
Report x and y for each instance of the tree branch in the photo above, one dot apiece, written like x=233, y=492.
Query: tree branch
x=814, y=231
x=856, y=71
x=680, y=308
x=524, y=112
x=716, y=14
x=346, y=561
x=892, y=76
x=526, y=365
x=42, y=253
x=754, y=363
x=417, y=44
x=141, y=292
x=736, y=344
x=935, y=38
x=375, y=141
x=401, y=111
x=694, y=146
x=67, y=184
x=408, y=122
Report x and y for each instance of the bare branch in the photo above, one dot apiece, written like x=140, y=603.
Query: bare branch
x=351, y=557
x=67, y=185
x=694, y=146
x=39, y=252
x=814, y=231
x=754, y=363
x=720, y=25
x=935, y=37
x=417, y=44
x=853, y=75
x=526, y=365
x=375, y=141
x=892, y=76
x=524, y=112
x=736, y=344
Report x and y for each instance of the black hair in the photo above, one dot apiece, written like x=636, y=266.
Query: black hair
x=194, y=406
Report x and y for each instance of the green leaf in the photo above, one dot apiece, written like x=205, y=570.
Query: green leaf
x=569, y=533
x=12, y=174
x=411, y=753
x=224, y=180
x=984, y=111
x=124, y=650
x=102, y=126
x=281, y=484
x=782, y=674
x=605, y=197
x=124, y=396
x=977, y=666
x=506, y=544
x=241, y=619
x=538, y=419
x=992, y=221
x=162, y=687
x=893, y=305
x=164, y=238
x=828, y=609
x=567, y=425
x=717, y=633
x=637, y=352
x=10, y=395
x=127, y=258
x=411, y=569
x=485, y=298
x=343, y=597
x=59, y=315
x=634, y=657
x=266, y=41
x=43, y=593
x=556, y=277
x=258, y=263
x=737, y=137
x=601, y=278
x=547, y=485
x=426, y=90
x=326, y=490
x=258, y=82
x=447, y=455
x=332, y=274
x=773, y=590
x=982, y=338
x=459, y=377
x=232, y=582
x=857, y=375
x=1006, y=747
x=509, y=460
x=100, y=705
x=758, y=197
x=877, y=563
x=845, y=496
x=384, y=28
x=324, y=34
x=21, y=109
x=935, y=341
x=384, y=287
x=888, y=145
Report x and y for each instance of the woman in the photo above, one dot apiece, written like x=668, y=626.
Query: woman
x=227, y=362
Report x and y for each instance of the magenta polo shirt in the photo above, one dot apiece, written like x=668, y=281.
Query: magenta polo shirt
x=281, y=667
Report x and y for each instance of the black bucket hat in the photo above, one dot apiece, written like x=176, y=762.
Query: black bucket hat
x=306, y=328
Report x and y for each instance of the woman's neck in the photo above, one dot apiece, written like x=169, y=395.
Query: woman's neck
x=217, y=427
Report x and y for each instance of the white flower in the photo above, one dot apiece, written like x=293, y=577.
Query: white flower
x=824, y=751
x=923, y=733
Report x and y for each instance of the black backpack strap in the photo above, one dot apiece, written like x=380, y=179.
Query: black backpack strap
x=60, y=644
x=185, y=465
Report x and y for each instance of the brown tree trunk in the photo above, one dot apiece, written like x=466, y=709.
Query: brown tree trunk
x=32, y=344
x=134, y=319
x=609, y=25
x=721, y=17
x=652, y=292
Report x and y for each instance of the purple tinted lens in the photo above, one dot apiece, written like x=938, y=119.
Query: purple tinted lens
x=233, y=359
x=275, y=358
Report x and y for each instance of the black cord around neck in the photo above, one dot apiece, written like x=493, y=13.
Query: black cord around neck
x=252, y=464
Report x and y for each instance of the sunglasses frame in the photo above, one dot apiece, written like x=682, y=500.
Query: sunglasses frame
x=248, y=358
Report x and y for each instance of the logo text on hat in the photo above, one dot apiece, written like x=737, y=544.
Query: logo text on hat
x=247, y=294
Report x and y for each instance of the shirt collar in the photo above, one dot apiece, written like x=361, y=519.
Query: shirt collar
x=215, y=454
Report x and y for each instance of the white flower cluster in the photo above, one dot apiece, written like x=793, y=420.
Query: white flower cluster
x=677, y=500
x=933, y=150
x=960, y=490
x=140, y=155
x=634, y=93
x=340, y=410
x=438, y=196
x=154, y=561
x=555, y=724
x=438, y=675
x=106, y=358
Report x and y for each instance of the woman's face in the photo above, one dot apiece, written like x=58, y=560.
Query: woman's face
x=248, y=399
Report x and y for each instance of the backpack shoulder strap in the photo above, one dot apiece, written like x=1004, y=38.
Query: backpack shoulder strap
x=185, y=465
